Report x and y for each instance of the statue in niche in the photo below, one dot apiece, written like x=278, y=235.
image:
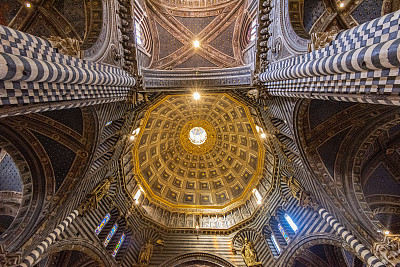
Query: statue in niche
x=165, y=218
x=249, y=254
x=174, y=220
x=294, y=186
x=67, y=46
x=228, y=220
x=245, y=211
x=182, y=220
x=221, y=222
x=146, y=251
x=388, y=251
x=206, y=221
x=189, y=220
x=213, y=221
x=96, y=196
x=158, y=214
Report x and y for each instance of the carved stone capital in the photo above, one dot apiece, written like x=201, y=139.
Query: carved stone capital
x=307, y=200
x=388, y=251
x=67, y=46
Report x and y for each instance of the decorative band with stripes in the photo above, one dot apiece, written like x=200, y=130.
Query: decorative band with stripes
x=35, y=254
x=351, y=240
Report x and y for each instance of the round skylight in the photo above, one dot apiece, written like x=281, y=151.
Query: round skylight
x=197, y=135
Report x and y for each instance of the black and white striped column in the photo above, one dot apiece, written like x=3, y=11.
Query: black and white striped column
x=35, y=78
x=35, y=254
x=361, y=65
x=350, y=239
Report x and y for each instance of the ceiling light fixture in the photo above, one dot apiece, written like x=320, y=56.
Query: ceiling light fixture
x=387, y=232
x=263, y=135
x=28, y=5
x=196, y=96
x=341, y=5
x=196, y=43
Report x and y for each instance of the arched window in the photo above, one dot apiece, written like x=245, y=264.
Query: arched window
x=252, y=31
x=121, y=240
x=139, y=34
x=291, y=223
x=110, y=234
x=102, y=223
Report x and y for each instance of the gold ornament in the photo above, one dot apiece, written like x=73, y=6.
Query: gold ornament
x=204, y=147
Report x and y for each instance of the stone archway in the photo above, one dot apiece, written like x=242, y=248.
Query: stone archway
x=77, y=253
x=197, y=259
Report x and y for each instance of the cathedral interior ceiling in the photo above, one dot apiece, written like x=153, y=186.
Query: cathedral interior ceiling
x=374, y=174
x=325, y=15
x=78, y=19
x=174, y=31
x=214, y=174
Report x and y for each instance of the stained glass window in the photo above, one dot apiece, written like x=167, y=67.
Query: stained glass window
x=110, y=234
x=102, y=223
x=139, y=34
x=285, y=236
x=291, y=223
x=109, y=123
x=252, y=32
x=275, y=244
x=121, y=240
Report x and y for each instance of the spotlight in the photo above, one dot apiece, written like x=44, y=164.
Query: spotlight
x=196, y=43
x=197, y=227
x=263, y=135
x=387, y=232
x=196, y=96
x=341, y=5
x=28, y=5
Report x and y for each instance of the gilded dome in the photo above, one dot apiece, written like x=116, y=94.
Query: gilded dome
x=198, y=153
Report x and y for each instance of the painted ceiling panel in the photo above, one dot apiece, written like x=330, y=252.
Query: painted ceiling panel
x=367, y=10
x=69, y=117
x=9, y=8
x=224, y=41
x=314, y=11
x=195, y=25
x=168, y=43
x=328, y=151
x=10, y=179
x=381, y=181
x=196, y=61
x=60, y=156
x=74, y=10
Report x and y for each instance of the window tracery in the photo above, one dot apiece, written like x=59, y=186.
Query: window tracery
x=139, y=34
x=285, y=236
x=117, y=247
x=102, y=224
x=110, y=234
x=252, y=31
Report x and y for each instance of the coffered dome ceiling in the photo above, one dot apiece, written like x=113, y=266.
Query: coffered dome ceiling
x=198, y=154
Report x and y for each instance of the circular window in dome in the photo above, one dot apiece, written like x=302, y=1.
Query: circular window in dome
x=197, y=135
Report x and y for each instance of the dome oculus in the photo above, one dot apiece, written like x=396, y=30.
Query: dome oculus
x=197, y=136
